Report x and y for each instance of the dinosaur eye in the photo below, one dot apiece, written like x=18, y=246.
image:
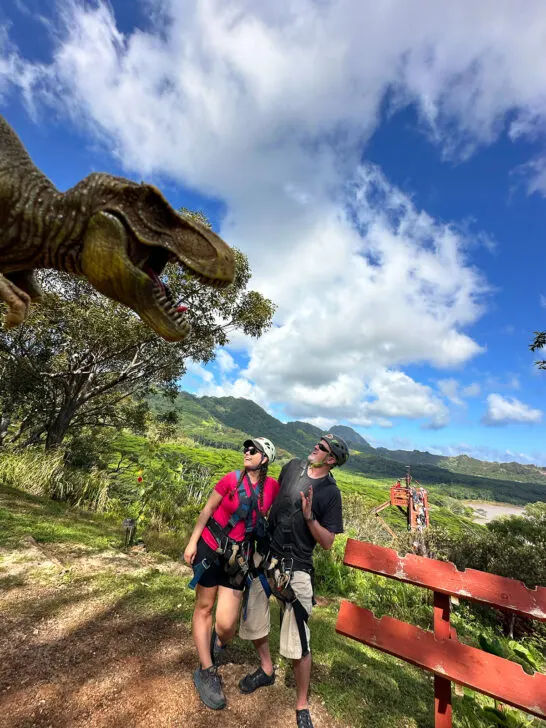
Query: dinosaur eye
x=155, y=211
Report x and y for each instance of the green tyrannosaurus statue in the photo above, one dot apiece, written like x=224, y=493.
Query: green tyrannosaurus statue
x=116, y=233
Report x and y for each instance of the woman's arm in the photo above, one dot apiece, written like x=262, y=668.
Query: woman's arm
x=210, y=506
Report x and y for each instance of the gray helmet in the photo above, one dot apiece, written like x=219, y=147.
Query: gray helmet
x=264, y=445
x=338, y=446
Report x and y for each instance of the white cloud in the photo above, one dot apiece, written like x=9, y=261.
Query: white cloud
x=501, y=411
x=241, y=387
x=322, y=423
x=198, y=370
x=268, y=106
x=397, y=395
x=450, y=389
x=302, y=69
x=472, y=390
x=543, y=301
x=225, y=361
x=533, y=174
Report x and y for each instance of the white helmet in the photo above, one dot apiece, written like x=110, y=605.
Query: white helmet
x=264, y=445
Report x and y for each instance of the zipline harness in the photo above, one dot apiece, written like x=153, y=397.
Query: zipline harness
x=236, y=553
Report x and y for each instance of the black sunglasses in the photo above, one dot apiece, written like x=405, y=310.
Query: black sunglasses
x=250, y=450
x=323, y=448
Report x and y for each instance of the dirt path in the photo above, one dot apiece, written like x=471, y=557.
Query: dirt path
x=71, y=658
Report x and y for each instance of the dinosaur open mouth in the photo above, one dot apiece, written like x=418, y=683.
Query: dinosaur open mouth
x=153, y=265
x=152, y=261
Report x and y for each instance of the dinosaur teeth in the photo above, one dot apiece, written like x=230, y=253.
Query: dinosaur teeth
x=176, y=312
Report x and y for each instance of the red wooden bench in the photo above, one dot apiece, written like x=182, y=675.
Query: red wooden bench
x=440, y=652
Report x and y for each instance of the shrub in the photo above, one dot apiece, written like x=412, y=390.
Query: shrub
x=47, y=474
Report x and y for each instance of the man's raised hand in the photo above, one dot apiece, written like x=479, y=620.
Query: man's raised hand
x=307, y=503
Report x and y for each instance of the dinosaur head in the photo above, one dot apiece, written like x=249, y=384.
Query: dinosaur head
x=131, y=236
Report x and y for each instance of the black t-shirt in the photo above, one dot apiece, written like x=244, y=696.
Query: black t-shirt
x=290, y=535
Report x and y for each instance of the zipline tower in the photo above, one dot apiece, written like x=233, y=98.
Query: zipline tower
x=411, y=500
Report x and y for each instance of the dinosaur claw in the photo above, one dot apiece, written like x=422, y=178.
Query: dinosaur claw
x=18, y=303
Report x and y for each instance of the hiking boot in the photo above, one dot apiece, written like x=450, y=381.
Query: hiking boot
x=215, y=649
x=303, y=718
x=209, y=687
x=255, y=680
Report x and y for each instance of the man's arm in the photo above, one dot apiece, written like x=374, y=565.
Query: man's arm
x=322, y=535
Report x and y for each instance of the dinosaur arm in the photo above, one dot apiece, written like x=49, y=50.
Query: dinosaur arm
x=17, y=300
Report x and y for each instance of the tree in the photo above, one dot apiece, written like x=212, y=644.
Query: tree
x=512, y=546
x=81, y=359
x=539, y=342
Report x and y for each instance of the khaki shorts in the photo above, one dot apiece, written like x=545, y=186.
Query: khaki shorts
x=258, y=621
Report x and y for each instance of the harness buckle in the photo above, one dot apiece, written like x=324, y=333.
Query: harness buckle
x=221, y=549
x=284, y=560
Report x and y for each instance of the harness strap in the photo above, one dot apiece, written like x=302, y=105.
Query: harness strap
x=219, y=533
x=286, y=595
x=301, y=620
x=300, y=613
x=236, y=553
x=206, y=562
x=248, y=505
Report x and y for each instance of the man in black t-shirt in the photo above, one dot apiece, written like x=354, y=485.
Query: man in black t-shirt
x=307, y=511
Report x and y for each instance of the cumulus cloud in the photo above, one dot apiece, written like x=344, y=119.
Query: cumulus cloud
x=240, y=388
x=268, y=106
x=225, y=361
x=450, y=389
x=303, y=69
x=472, y=390
x=502, y=411
x=198, y=370
x=455, y=393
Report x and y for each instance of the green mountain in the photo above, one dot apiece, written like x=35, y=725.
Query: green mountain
x=248, y=417
x=411, y=457
x=352, y=438
x=471, y=466
x=506, y=471
x=226, y=422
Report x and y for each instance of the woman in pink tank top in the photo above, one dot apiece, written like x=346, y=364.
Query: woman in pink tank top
x=218, y=551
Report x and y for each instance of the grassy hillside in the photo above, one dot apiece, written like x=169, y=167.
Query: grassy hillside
x=456, y=485
x=70, y=596
x=503, y=471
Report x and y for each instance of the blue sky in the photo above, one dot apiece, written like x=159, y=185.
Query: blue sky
x=384, y=170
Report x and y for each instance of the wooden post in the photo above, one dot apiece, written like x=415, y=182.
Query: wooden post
x=442, y=686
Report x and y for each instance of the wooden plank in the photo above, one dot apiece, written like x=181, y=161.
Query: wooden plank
x=448, y=658
x=443, y=576
x=443, y=710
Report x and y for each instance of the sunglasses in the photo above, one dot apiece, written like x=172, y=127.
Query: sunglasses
x=250, y=450
x=323, y=448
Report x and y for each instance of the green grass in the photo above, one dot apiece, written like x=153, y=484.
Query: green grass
x=364, y=687
x=48, y=521
x=361, y=686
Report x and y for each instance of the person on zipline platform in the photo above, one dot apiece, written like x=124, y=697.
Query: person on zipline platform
x=307, y=511
x=219, y=551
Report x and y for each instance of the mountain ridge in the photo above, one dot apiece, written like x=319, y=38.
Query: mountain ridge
x=208, y=417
